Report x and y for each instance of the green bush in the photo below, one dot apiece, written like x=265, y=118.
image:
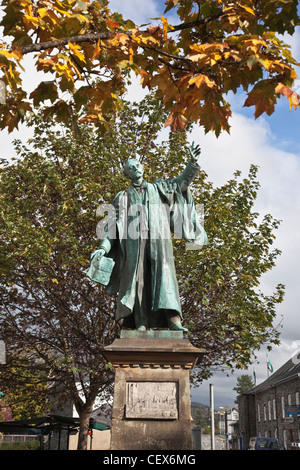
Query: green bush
x=27, y=445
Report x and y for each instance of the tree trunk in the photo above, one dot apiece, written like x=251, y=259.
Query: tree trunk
x=84, y=428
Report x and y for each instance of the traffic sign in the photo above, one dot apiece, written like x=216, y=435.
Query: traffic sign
x=292, y=410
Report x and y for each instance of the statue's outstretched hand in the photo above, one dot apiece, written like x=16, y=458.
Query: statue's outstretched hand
x=194, y=152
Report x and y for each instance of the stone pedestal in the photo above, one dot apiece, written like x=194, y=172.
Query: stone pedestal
x=151, y=408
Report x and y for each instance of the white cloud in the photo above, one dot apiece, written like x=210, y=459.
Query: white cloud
x=136, y=10
x=251, y=142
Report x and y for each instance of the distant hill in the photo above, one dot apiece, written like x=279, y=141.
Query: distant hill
x=200, y=414
x=195, y=404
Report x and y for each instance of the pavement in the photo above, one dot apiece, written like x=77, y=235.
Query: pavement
x=220, y=442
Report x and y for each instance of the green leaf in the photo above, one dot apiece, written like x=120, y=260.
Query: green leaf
x=44, y=91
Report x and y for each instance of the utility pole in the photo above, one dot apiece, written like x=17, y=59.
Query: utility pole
x=212, y=417
x=2, y=352
x=226, y=429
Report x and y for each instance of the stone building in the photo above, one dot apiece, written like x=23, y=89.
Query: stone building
x=272, y=408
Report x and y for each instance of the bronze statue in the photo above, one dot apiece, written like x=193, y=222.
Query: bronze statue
x=137, y=241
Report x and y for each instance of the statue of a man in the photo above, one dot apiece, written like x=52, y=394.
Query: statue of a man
x=140, y=243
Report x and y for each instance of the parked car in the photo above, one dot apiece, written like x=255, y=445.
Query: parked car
x=263, y=443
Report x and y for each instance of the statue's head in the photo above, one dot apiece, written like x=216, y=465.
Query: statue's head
x=133, y=169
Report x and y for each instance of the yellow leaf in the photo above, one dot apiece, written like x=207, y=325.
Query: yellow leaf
x=147, y=39
x=97, y=50
x=62, y=12
x=200, y=80
x=76, y=51
x=217, y=57
x=248, y=9
x=165, y=27
x=9, y=55
x=32, y=19
x=48, y=14
x=123, y=38
x=54, y=280
x=254, y=44
x=198, y=57
x=42, y=12
x=131, y=53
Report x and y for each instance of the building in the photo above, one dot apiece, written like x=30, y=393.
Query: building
x=227, y=418
x=226, y=421
x=57, y=432
x=272, y=408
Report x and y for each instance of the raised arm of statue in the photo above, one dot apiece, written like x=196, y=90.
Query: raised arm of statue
x=192, y=168
x=194, y=153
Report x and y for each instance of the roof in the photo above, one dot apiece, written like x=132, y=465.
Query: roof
x=36, y=425
x=290, y=370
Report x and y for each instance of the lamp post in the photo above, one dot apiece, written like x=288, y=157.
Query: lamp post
x=212, y=416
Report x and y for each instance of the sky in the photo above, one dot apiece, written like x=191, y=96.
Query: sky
x=272, y=143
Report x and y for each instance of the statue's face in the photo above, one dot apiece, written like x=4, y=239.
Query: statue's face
x=134, y=170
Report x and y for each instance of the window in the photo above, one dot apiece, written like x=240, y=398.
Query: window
x=274, y=408
x=282, y=407
x=269, y=410
x=258, y=413
x=297, y=399
x=285, y=438
x=289, y=399
x=265, y=412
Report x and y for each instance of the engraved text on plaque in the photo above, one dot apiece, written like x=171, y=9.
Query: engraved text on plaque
x=154, y=400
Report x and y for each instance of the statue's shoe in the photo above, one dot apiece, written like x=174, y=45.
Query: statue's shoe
x=142, y=328
x=177, y=326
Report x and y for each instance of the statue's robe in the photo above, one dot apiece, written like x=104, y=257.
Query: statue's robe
x=140, y=243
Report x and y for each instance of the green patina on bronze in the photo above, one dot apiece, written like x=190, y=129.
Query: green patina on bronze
x=143, y=274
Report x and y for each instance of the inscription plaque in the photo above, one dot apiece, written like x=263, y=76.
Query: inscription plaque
x=151, y=400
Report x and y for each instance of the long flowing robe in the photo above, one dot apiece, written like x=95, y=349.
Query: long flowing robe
x=140, y=243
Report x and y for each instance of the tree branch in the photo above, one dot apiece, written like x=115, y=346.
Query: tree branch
x=90, y=37
x=198, y=22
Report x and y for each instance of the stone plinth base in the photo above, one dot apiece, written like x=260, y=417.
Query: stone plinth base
x=151, y=408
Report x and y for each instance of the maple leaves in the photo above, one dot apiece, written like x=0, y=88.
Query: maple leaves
x=218, y=46
x=263, y=98
x=291, y=95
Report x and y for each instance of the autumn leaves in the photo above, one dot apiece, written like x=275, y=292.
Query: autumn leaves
x=217, y=47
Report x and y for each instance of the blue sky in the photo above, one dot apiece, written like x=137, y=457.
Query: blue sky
x=273, y=144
